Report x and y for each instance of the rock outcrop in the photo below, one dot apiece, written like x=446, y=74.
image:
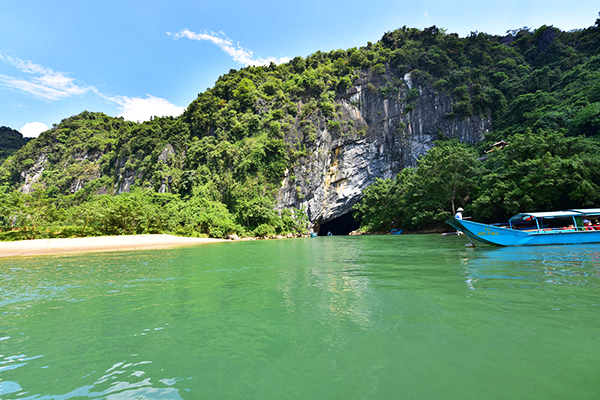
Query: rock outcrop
x=33, y=174
x=390, y=133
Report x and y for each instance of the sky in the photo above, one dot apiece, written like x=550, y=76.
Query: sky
x=139, y=59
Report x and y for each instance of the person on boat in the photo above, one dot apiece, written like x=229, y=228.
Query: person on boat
x=459, y=212
x=458, y=215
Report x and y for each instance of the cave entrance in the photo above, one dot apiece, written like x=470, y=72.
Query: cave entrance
x=342, y=225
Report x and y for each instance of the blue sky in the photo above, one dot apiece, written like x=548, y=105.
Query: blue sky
x=137, y=59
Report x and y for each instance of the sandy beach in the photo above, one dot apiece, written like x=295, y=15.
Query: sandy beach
x=102, y=243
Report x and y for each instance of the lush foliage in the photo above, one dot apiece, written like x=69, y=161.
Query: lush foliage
x=545, y=170
x=542, y=89
x=38, y=215
x=539, y=171
x=222, y=187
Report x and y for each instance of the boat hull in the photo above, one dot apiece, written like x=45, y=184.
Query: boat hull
x=497, y=235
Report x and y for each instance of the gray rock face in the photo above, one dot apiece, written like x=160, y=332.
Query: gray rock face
x=87, y=166
x=127, y=177
x=390, y=133
x=33, y=174
x=166, y=153
x=547, y=38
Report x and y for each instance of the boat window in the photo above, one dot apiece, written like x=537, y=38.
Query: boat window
x=556, y=223
x=525, y=224
x=579, y=223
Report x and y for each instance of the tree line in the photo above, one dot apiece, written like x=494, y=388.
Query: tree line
x=39, y=215
x=542, y=170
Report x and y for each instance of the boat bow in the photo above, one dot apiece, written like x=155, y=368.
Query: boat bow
x=490, y=234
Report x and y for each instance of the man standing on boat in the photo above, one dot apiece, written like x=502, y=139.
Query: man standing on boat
x=459, y=212
x=458, y=215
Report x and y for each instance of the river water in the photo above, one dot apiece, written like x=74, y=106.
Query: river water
x=371, y=317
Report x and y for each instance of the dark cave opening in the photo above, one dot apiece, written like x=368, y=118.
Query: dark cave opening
x=342, y=225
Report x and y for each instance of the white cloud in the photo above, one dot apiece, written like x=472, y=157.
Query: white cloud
x=46, y=84
x=238, y=53
x=51, y=85
x=140, y=109
x=33, y=129
x=426, y=14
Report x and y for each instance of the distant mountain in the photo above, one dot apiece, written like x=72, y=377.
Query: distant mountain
x=10, y=141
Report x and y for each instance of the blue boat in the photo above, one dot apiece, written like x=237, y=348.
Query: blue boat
x=538, y=228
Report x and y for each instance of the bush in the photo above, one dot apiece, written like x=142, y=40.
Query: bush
x=462, y=108
x=263, y=230
x=327, y=108
x=461, y=93
x=334, y=126
x=441, y=84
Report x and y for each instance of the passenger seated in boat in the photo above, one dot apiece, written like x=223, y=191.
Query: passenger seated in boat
x=588, y=225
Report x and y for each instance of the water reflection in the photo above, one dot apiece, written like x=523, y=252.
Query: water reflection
x=493, y=267
x=344, y=285
x=120, y=381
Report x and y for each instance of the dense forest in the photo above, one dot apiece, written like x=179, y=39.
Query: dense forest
x=548, y=113
x=216, y=169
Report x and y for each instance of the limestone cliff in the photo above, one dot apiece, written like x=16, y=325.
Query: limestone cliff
x=391, y=130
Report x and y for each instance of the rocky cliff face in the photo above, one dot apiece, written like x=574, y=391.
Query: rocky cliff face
x=391, y=131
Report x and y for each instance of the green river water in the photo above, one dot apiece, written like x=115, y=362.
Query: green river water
x=371, y=317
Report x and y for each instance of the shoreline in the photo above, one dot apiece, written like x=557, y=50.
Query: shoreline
x=36, y=247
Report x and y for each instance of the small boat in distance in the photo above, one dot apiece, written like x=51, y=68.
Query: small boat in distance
x=538, y=228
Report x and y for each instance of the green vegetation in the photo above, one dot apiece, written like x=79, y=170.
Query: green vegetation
x=214, y=187
x=38, y=215
x=216, y=169
x=541, y=88
x=537, y=171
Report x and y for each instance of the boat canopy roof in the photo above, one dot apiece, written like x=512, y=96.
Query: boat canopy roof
x=587, y=211
x=580, y=212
